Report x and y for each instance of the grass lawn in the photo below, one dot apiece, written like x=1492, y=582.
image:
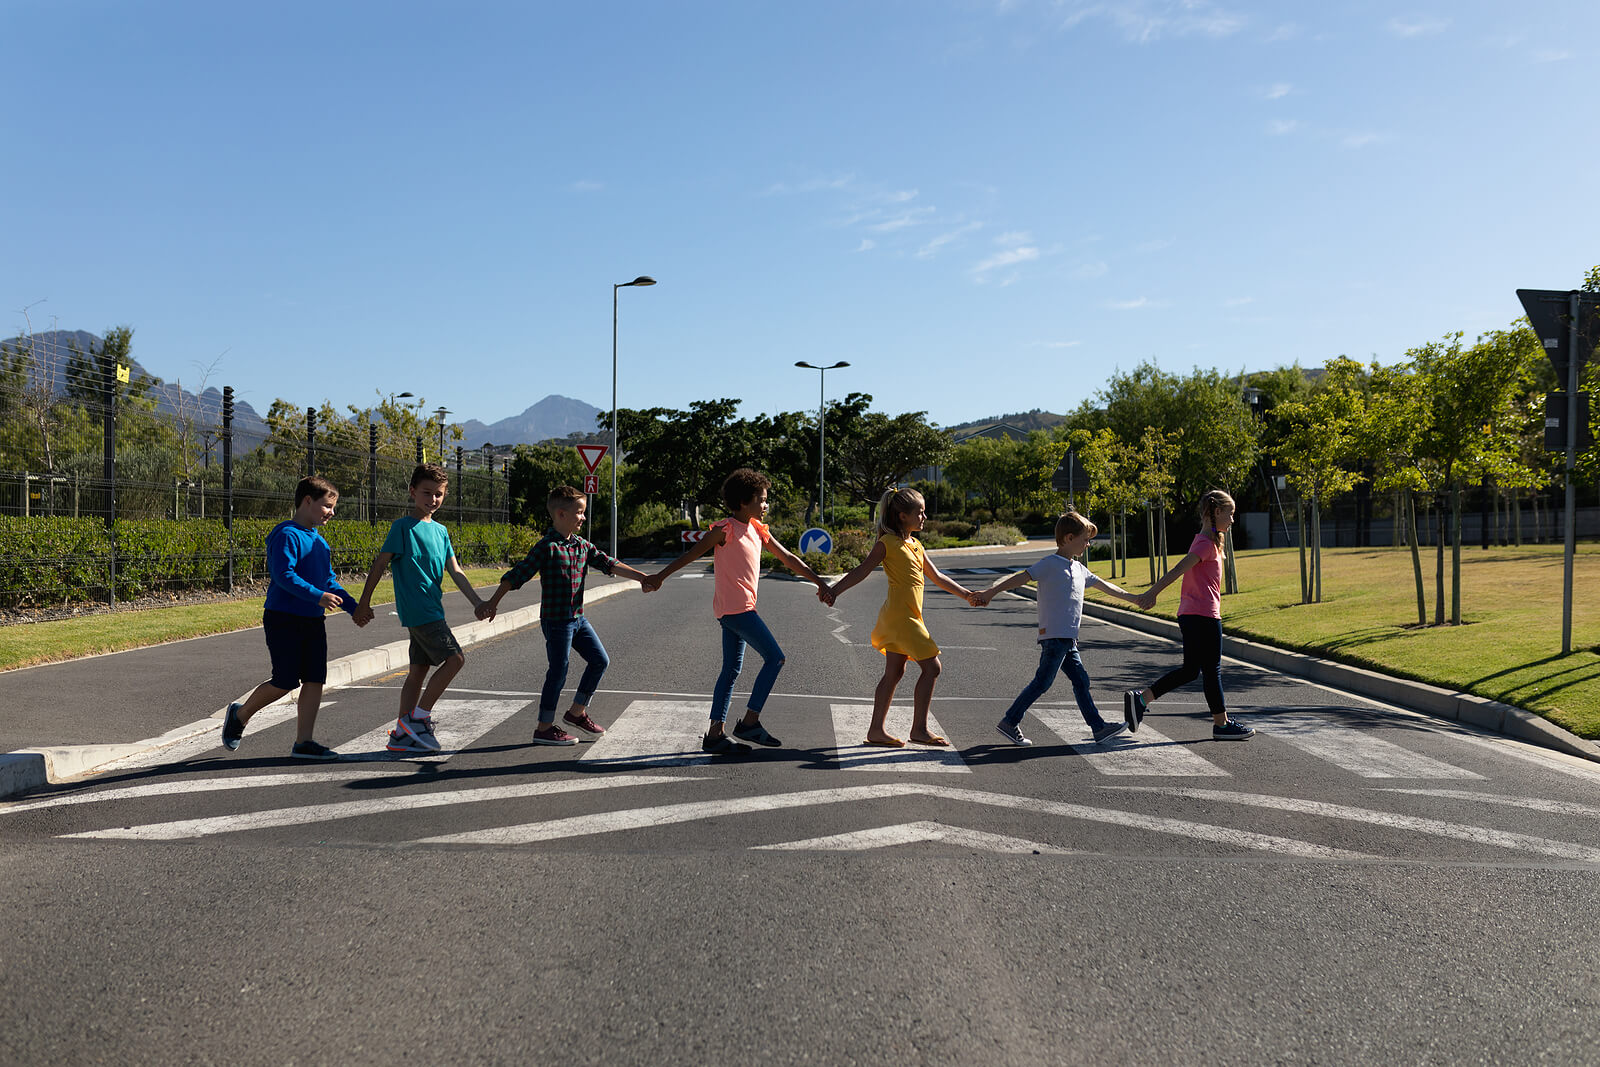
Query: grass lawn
x=48, y=642
x=1507, y=648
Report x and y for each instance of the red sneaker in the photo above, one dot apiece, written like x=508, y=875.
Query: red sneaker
x=584, y=723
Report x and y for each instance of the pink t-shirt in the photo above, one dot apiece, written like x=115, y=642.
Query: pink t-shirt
x=738, y=564
x=1201, y=591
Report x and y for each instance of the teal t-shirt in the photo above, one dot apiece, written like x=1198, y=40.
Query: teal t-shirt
x=420, y=550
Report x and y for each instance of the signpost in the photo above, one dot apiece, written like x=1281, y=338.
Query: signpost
x=591, y=456
x=1568, y=328
x=1070, y=477
x=816, y=539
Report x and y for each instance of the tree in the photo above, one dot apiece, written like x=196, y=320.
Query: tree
x=1323, y=433
x=877, y=452
x=1397, y=412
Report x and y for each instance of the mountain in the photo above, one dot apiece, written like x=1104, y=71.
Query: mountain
x=52, y=351
x=1025, y=421
x=554, y=417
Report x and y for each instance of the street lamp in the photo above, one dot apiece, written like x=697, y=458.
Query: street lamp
x=442, y=412
x=822, y=427
x=642, y=279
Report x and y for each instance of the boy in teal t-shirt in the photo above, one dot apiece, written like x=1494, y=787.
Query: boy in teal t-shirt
x=419, y=550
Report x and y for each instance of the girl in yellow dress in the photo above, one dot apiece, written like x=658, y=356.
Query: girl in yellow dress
x=900, y=633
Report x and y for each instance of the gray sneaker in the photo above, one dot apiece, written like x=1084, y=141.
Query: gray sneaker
x=232, y=728
x=1012, y=733
x=312, y=750
x=1107, y=731
x=756, y=734
x=1232, y=730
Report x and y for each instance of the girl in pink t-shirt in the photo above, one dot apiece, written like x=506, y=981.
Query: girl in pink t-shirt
x=1199, y=621
x=738, y=542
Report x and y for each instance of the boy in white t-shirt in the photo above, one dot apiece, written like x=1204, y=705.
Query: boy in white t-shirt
x=1062, y=580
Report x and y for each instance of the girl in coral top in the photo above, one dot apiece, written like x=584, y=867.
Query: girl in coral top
x=738, y=542
x=900, y=633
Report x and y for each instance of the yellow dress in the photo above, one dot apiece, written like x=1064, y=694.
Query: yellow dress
x=900, y=627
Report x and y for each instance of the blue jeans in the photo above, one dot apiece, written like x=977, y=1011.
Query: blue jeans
x=745, y=628
x=1057, y=654
x=561, y=636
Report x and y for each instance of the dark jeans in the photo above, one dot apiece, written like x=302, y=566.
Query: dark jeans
x=1202, y=658
x=1057, y=654
x=738, y=631
x=561, y=637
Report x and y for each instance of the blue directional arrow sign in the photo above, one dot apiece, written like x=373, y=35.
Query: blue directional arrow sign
x=815, y=540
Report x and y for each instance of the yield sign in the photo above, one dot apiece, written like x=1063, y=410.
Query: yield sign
x=592, y=455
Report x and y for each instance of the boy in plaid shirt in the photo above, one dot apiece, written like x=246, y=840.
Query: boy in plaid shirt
x=561, y=559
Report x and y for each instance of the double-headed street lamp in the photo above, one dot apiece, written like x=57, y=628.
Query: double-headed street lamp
x=642, y=279
x=822, y=428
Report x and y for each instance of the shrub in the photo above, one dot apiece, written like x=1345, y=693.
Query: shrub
x=996, y=534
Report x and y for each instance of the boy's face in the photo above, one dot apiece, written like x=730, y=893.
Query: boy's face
x=315, y=511
x=567, y=518
x=754, y=508
x=427, y=496
x=1074, y=544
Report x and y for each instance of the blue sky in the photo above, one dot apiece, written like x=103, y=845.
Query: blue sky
x=983, y=207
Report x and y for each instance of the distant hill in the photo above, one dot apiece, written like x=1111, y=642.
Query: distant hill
x=1025, y=421
x=552, y=417
x=52, y=350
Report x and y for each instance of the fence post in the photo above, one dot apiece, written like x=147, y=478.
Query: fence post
x=372, y=472
x=227, y=475
x=311, y=442
x=109, y=371
x=419, y=451
x=25, y=494
x=461, y=494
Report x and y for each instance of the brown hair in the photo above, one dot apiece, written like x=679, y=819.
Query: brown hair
x=742, y=486
x=429, y=472
x=1072, y=524
x=564, y=497
x=314, y=486
x=1209, y=504
x=897, y=502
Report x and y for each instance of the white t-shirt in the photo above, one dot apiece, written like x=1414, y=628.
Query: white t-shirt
x=1061, y=585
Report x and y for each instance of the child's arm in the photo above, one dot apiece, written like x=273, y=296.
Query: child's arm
x=1147, y=599
x=515, y=578
x=463, y=583
x=711, y=540
x=1115, y=590
x=866, y=567
x=947, y=583
x=1011, y=581
x=796, y=564
x=380, y=563
x=634, y=573
x=487, y=609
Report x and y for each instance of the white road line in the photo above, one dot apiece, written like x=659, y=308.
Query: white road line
x=850, y=722
x=655, y=733
x=667, y=814
x=211, y=741
x=1477, y=834
x=838, y=631
x=456, y=723
x=1558, y=807
x=913, y=833
x=1359, y=751
x=351, y=809
x=194, y=785
x=1149, y=752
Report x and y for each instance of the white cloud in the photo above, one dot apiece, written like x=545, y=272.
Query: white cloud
x=901, y=196
x=866, y=245
x=1009, y=258
x=1359, y=140
x=933, y=246
x=1054, y=344
x=1238, y=301
x=1013, y=237
x=1551, y=55
x=1279, y=91
x=1129, y=305
x=914, y=217
x=1157, y=245
x=1280, y=127
x=1143, y=21
x=585, y=185
x=1085, y=271
x=811, y=185
x=1420, y=27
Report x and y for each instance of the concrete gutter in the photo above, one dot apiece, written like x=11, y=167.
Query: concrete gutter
x=30, y=768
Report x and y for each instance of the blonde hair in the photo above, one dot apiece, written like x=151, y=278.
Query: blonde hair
x=894, y=503
x=1209, y=504
x=1071, y=524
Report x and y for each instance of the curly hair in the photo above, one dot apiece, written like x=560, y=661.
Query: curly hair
x=742, y=486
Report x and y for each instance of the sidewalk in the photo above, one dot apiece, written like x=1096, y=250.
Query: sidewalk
x=62, y=720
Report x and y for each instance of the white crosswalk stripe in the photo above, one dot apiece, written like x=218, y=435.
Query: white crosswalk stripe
x=655, y=733
x=456, y=723
x=850, y=722
x=1149, y=752
x=1356, y=749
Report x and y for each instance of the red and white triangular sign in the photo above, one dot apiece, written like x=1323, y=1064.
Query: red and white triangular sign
x=592, y=455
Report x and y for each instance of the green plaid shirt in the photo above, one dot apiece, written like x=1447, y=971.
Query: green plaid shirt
x=562, y=564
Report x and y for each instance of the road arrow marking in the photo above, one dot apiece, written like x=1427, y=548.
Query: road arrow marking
x=914, y=832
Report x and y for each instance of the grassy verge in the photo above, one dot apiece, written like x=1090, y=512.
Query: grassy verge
x=49, y=642
x=1507, y=648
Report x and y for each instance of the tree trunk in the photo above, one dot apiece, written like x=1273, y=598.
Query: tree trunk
x=1455, y=555
x=1438, y=567
x=1161, y=532
x=1416, y=560
x=1300, y=538
x=1516, y=517
x=1150, y=539
x=1230, y=573
x=1316, y=547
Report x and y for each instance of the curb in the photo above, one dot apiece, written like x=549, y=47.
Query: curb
x=1440, y=703
x=30, y=768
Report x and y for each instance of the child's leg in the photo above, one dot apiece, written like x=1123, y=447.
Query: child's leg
x=442, y=675
x=411, y=688
x=922, y=700
x=259, y=697
x=1051, y=653
x=1192, y=662
x=722, y=691
x=557, y=649
x=306, y=711
x=754, y=633
x=586, y=643
x=1072, y=667
x=1204, y=635
x=894, y=668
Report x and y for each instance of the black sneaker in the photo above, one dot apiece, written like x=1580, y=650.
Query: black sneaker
x=757, y=734
x=312, y=750
x=232, y=728
x=722, y=745
x=1106, y=731
x=1232, y=730
x=1011, y=733
x=1133, y=710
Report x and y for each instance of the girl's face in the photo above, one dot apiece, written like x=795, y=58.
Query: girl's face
x=1223, y=517
x=912, y=521
x=754, y=508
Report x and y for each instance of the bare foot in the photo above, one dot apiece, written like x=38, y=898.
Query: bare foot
x=885, y=741
x=930, y=739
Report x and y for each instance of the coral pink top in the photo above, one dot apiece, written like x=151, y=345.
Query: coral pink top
x=1201, y=591
x=737, y=566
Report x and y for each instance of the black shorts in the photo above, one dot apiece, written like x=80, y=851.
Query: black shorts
x=432, y=643
x=298, y=645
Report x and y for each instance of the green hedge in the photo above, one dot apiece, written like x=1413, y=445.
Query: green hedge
x=48, y=562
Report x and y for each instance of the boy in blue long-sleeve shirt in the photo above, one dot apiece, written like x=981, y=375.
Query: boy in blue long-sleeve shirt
x=304, y=588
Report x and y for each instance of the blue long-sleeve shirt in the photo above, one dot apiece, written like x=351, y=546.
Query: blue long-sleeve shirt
x=301, y=565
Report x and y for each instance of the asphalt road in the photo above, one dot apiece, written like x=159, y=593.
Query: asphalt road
x=1355, y=884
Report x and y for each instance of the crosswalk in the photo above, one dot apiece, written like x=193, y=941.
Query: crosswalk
x=654, y=738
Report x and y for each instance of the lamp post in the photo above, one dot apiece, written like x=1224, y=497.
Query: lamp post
x=642, y=279
x=822, y=426
x=442, y=412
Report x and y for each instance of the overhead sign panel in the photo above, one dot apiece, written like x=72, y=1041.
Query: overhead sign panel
x=1070, y=477
x=1550, y=314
